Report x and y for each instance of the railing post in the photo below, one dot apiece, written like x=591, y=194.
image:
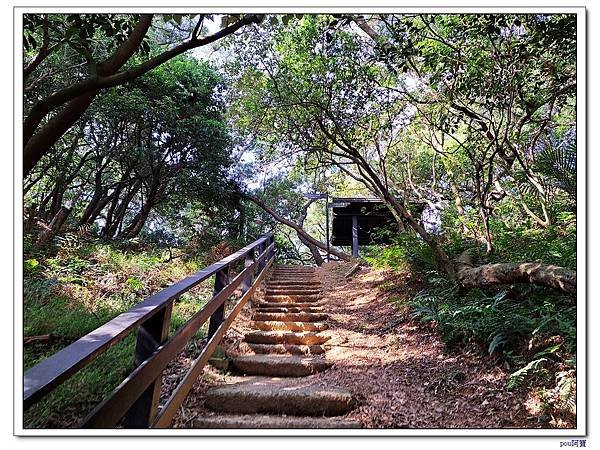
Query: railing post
x=272, y=241
x=248, y=261
x=221, y=280
x=151, y=334
x=261, y=249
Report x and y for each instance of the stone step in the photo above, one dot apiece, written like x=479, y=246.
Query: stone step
x=289, y=317
x=295, y=291
x=294, y=287
x=262, y=421
x=286, y=281
x=286, y=349
x=291, y=309
x=280, y=365
x=293, y=283
x=307, y=273
x=262, y=305
x=294, y=272
x=285, y=290
x=288, y=326
x=261, y=395
x=300, y=298
x=297, y=278
x=285, y=337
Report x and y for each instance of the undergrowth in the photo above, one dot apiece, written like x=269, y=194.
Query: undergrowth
x=528, y=330
x=71, y=289
x=534, y=336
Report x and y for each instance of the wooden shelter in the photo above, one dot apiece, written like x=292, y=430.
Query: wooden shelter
x=357, y=220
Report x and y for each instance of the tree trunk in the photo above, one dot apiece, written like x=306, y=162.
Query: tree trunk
x=242, y=223
x=94, y=213
x=546, y=275
x=485, y=219
x=152, y=199
x=57, y=198
x=108, y=221
x=54, y=227
x=314, y=251
x=117, y=213
x=92, y=207
x=136, y=225
x=38, y=144
x=554, y=277
x=442, y=260
x=37, y=140
x=460, y=209
x=298, y=229
x=57, y=222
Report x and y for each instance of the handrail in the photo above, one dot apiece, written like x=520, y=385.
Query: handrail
x=137, y=396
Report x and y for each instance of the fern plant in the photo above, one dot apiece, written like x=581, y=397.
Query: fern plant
x=558, y=164
x=566, y=387
x=517, y=378
x=532, y=367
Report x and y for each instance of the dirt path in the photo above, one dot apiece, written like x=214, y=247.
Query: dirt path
x=398, y=372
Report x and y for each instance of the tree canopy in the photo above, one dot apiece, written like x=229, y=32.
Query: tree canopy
x=463, y=125
x=156, y=144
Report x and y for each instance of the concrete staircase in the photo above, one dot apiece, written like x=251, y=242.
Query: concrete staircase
x=286, y=345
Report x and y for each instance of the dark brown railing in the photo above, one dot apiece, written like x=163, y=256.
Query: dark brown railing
x=136, y=399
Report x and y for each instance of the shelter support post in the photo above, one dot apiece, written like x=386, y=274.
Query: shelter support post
x=355, y=236
x=327, y=226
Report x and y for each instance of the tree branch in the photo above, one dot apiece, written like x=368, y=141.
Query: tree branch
x=296, y=227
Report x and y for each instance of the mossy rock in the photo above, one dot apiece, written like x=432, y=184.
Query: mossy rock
x=219, y=359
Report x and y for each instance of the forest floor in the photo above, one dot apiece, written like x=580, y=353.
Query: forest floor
x=397, y=369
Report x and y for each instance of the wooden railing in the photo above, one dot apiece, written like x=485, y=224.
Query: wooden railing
x=134, y=403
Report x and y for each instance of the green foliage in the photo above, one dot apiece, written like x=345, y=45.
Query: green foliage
x=134, y=284
x=535, y=366
x=567, y=390
x=559, y=164
x=79, y=31
x=163, y=136
x=510, y=329
x=460, y=111
x=556, y=244
x=517, y=378
x=185, y=307
x=406, y=252
x=31, y=265
x=60, y=408
x=67, y=296
x=498, y=322
x=490, y=320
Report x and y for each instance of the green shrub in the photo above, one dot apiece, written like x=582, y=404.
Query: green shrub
x=406, y=252
x=556, y=244
x=134, y=284
x=31, y=265
x=496, y=321
x=534, y=366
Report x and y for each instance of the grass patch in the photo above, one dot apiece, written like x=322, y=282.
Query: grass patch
x=72, y=291
x=69, y=402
